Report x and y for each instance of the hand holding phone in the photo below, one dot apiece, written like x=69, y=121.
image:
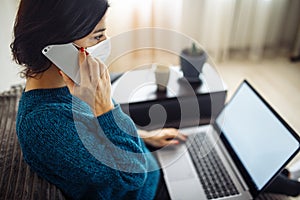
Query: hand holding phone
x=82, y=75
x=65, y=56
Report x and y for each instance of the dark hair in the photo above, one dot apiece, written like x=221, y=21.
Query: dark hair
x=44, y=22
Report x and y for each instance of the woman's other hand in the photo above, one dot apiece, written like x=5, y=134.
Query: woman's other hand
x=162, y=137
x=95, y=87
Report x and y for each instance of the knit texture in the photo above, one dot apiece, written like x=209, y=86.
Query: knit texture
x=85, y=156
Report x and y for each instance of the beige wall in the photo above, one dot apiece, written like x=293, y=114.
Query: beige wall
x=8, y=69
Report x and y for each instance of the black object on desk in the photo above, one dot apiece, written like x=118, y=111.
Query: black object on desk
x=183, y=104
x=114, y=76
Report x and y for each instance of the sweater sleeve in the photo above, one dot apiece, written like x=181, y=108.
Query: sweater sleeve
x=103, y=152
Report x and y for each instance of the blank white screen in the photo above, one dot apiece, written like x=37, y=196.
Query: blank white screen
x=258, y=138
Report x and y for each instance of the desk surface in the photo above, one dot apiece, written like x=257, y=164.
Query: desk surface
x=139, y=85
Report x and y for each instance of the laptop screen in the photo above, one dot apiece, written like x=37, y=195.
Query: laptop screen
x=259, y=138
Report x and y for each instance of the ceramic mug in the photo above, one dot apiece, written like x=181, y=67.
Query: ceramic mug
x=162, y=74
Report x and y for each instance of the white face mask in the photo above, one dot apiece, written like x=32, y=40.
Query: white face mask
x=101, y=50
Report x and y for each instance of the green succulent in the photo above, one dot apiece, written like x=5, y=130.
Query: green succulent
x=194, y=50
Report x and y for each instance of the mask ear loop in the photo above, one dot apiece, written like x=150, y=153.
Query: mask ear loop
x=77, y=46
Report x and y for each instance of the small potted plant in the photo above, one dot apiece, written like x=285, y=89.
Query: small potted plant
x=191, y=61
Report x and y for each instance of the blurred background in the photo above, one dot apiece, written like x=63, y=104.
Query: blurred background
x=252, y=28
x=253, y=39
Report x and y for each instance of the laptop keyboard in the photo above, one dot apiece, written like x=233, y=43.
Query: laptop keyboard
x=211, y=171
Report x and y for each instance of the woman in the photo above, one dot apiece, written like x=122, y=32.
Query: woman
x=75, y=136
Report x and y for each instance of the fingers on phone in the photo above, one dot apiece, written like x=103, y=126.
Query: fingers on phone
x=69, y=82
x=103, y=69
x=81, y=55
x=84, y=63
x=93, y=69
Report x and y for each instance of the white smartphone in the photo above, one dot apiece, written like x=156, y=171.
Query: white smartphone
x=65, y=57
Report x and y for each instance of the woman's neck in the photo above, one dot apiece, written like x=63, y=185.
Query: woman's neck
x=46, y=80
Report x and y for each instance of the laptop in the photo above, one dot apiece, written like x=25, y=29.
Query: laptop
x=235, y=157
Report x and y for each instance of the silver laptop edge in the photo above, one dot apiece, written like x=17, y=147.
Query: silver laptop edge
x=182, y=179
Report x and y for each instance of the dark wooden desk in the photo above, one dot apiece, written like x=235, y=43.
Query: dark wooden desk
x=183, y=104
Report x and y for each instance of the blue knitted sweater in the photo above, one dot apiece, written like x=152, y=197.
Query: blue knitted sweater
x=87, y=157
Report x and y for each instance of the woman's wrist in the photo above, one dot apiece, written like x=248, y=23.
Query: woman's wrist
x=145, y=136
x=100, y=109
